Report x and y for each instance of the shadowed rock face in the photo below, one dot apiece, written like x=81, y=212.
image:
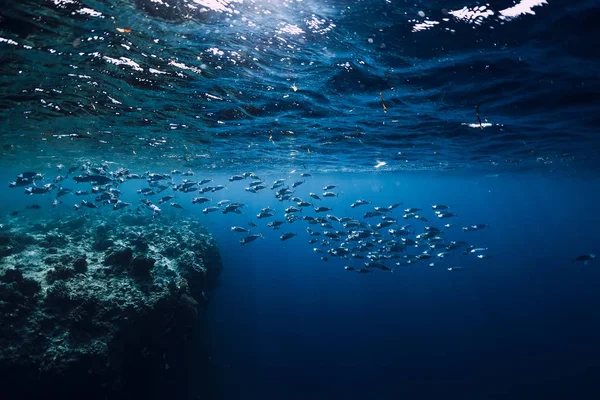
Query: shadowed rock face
x=112, y=324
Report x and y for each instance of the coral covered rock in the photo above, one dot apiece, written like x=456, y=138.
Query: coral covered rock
x=71, y=327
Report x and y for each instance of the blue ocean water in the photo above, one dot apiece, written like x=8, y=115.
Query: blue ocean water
x=518, y=325
x=488, y=108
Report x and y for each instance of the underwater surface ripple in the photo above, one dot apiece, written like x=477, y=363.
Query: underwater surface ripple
x=334, y=85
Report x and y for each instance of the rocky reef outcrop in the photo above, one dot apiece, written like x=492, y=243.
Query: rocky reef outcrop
x=102, y=308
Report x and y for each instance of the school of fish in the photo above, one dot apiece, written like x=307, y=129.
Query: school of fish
x=385, y=238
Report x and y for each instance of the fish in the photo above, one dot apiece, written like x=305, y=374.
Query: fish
x=88, y=204
x=210, y=209
x=322, y=209
x=152, y=177
x=287, y=236
x=275, y=224
x=234, y=208
x=239, y=229
x=94, y=179
x=264, y=215
x=586, y=258
x=478, y=250
x=475, y=227
x=71, y=170
x=165, y=199
x=30, y=175
x=250, y=238
x=21, y=182
x=297, y=183
x=200, y=200
x=120, y=204
x=62, y=191
x=40, y=190
x=443, y=215
x=176, y=205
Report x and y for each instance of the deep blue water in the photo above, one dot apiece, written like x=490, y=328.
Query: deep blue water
x=519, y=325
x=495, y=115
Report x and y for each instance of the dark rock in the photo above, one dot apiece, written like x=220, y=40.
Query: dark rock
x=80, y=265
x=102, y=230
x=75, y=224
x=13, y=243
x=192, y=268
x=111, y=339
x=10, y=294
x=140, y=243
x=82, y=316
x=29, y=287
x=102, y=244
x=4, y=239
x=60, y=272
x=24, y=239
x=12, y=275
x=58, y=295
x=51, y=260
x=141, y=265
x=121, y=258
x=54, y=240
x=172, y=252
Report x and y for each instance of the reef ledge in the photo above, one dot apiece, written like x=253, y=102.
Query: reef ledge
x=103, y=307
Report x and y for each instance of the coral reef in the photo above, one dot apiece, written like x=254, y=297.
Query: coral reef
x=97, y=309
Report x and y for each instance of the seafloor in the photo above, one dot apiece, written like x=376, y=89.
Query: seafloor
x=101, y=307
